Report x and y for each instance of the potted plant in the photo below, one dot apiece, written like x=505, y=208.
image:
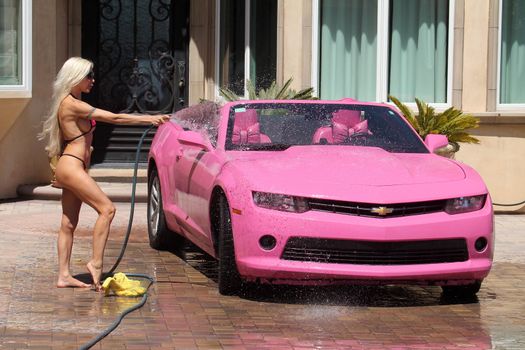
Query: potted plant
x=274, y=92
x=452, y=123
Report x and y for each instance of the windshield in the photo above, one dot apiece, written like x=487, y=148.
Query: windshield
x=278, y=126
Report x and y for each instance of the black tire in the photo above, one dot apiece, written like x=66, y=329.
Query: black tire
x=230, y=282
x=467, y=290
x=160, y=236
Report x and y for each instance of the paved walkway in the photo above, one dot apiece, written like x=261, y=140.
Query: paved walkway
x=185, y=311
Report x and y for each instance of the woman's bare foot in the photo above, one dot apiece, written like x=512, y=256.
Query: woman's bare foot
x=71, y=282
x=96, y=274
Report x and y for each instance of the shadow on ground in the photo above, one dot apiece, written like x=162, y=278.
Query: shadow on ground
x=342, y=295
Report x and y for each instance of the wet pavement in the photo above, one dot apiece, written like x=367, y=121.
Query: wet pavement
x=185, y=311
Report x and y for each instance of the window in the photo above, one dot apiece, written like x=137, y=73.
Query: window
x=248, y=44
x=15, y=48
x=369, y=49
x=512, y=53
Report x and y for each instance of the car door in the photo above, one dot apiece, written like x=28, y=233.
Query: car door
x=206, y=168
x=190, y=173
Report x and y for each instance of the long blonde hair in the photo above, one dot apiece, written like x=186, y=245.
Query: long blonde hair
x=71, y=74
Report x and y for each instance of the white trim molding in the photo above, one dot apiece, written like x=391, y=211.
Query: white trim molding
x=247, y=53
x=23, y=90
x=217, y=49
x=314, y=78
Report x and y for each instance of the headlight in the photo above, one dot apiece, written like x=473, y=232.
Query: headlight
x=280, y=202
x=465, y=204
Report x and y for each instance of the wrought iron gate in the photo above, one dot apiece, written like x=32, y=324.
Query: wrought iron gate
x=140, y=49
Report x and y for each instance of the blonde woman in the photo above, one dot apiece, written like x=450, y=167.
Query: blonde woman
x=68, y=129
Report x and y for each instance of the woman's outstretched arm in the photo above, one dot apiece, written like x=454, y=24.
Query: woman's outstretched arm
x=84, y=110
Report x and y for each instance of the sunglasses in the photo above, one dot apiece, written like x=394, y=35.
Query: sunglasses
x=90, y=75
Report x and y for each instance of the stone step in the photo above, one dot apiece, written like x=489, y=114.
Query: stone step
x=124, y=175
x=116, y=184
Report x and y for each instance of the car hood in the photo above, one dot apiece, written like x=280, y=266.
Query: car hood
x=333, y=170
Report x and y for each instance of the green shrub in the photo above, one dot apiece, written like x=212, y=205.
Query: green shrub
x=274, y=92
x=452, y=122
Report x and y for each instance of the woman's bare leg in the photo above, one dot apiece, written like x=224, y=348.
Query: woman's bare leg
x=72, y=176
x=70, y=209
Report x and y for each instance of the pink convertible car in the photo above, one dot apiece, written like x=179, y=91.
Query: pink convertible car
x=311, y=192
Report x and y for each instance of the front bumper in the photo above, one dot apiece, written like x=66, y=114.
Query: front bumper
x=255, y=263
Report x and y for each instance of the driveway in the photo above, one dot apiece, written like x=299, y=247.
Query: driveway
x=185, y=311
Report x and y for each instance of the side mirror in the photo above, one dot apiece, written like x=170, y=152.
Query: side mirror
x=195, y=139
x=435, y=142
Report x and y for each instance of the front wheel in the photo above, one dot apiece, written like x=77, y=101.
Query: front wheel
x=230, y=281
x=467, y=290
x=160, y=236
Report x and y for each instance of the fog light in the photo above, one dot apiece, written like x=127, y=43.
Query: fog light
x=481, y=244
x=267, y=242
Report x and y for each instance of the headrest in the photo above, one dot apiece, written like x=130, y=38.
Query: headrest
x=244, y=120
x=246, y=127
x=346, y=117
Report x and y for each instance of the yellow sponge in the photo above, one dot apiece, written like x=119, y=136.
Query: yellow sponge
x=121, y=285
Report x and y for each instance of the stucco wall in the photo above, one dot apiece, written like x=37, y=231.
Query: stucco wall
x=11, y=108
x=475, y=55
x=295, y=42
x=499, y=160
x=22, y=156
x=201, y=51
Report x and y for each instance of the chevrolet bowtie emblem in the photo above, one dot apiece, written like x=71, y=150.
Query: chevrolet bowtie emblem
x=382, y=211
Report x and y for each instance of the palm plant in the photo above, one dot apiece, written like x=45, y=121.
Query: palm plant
x=452, y=122
x=274, y=92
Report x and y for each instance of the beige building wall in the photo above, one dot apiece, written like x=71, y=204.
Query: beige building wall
x=22, y=156
x=74, y=29
x=202, y=51
x=475, y=55
x=499, y=158
x=294, y=42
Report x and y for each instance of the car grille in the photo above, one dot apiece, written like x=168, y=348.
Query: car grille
x=375, y=253
x=377, y=210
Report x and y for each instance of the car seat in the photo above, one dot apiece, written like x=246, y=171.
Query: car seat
x=344, y=124
x=246, y=129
